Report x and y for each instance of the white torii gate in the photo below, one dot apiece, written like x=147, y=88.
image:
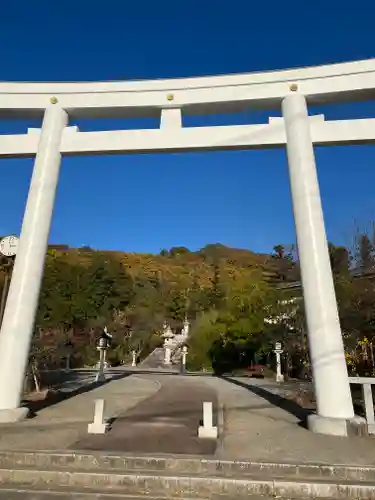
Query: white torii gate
x=169, y=99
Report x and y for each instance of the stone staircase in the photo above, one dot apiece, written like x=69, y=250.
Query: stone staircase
x=154, y=360
x=87, y=476
x=176, y=344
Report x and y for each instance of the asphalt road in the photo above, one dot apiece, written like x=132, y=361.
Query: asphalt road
x=167, y=422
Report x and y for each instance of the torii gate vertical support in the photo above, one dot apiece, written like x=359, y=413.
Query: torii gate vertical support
x=21, y=307
x=332, y=390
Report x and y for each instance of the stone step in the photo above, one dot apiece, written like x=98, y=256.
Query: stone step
x=15, y=493
x=182, y=465
x=185, y=486
x=35, y=494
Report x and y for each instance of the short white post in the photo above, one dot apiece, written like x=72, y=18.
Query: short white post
x=279, y=375
x=99, y=425
x=278, y=351
x=207, y=430
x=333, y=397
x=183, y=359
x=19, y=315
x=100, y=377
x=167, y=355
x=134, y=360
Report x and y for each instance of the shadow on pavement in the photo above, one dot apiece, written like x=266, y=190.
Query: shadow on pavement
x=276, y=400
x=59, y=396
x=156, y=371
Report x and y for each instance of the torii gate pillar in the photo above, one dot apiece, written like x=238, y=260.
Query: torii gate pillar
x=332, y=389
x=22, y=303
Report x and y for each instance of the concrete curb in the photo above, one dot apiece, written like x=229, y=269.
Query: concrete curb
x=60, y=494
x=186, y=486
x=180, y=464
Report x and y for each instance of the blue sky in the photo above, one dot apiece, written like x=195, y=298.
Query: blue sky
x=148, y=202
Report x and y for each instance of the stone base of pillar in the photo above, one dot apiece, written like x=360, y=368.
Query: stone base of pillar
x=207, y=432
x=13, y=415
x=98, y=428
x=356, y=426
x=100, y=377
x=280, y=378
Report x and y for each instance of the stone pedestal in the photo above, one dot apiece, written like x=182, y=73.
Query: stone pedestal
x=279, y=375
x=356, y=426
x=167, y=355
x=99, y=425
x=100, y=377
x=13, y=415
x=207, y=430
x=183, y=359
x=134, y=358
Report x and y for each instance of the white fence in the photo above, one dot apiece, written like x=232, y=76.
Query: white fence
x=366, y=383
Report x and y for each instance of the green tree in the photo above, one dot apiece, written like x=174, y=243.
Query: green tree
x=177, y=251
x=283, y=266
x=222, y=335
x=176, y=306
x=340, y=260
x=365, y=253
x=279, y=252
x=206, y=330
x=109, y=286
x=216, y=294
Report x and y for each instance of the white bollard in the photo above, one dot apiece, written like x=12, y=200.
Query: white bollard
x=207, y=430
x=98, y=426
x=183, y=359
x=279, y=375
x=278, y=351
x=100, y=377
x=134, y=360
x=167, y=356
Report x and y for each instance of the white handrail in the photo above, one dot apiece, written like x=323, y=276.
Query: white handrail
x=366, y=383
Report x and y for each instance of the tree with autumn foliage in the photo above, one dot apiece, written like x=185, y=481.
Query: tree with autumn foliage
x=227, y=294
x=230, y=336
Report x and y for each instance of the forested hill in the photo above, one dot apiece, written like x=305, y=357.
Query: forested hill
x=132, y=294
x=226, y=293
x=183, y=268
x=82, y=283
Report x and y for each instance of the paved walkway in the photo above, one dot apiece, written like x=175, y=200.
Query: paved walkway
x=154, y=360
x=260, y=426
x=167, y=422
x=158, y=412
x=60, y=425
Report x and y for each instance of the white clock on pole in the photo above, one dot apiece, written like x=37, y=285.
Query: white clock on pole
x=8, y=246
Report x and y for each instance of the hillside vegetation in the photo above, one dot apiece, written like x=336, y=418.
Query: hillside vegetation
x=227, y=294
